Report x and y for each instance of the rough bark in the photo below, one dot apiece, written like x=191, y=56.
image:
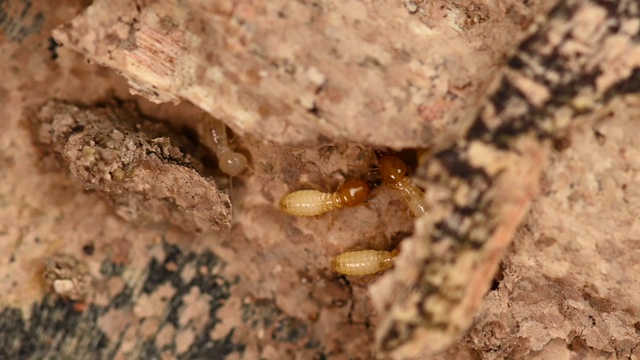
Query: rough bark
x=584, y=54
x=288, y=71
x=134, y=165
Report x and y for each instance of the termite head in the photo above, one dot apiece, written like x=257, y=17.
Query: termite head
x=392, y=170
x=232, y=163
x=353, y=192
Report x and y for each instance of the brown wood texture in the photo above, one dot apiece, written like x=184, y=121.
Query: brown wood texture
x=529, y=111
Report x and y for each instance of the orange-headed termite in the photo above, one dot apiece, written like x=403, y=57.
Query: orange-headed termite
x=394, y=173
x=363, y=262
x=314, y=202
x=215, y=136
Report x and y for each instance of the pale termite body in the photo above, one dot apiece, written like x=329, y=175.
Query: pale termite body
x=314, y=202
x=363, y=262
x=230, y=162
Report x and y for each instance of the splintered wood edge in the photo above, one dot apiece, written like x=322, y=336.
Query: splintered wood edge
x=446, y=268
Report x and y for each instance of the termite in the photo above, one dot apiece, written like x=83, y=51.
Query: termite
x=230, y=162
x=314, y=202
x=363, y=262
x=394, y=173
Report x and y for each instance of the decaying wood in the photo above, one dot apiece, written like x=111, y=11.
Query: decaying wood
x=148, y=179
x=299, y=73
x=569, y=285
x=585, y=53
